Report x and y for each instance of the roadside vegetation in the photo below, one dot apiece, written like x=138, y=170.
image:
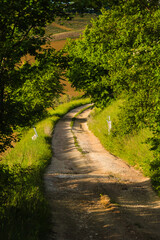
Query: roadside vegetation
x=133, y=148
x=24, y=211
x=30, y=72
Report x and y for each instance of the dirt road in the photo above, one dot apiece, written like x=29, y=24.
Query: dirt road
x=94, y=195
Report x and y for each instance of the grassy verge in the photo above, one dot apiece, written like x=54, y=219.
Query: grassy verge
x=132, y=148
x=24, y=212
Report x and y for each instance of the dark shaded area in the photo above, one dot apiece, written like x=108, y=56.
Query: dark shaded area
x=23, y=209
x=6, y=141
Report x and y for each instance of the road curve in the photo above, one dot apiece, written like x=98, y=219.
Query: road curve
x=93, y=194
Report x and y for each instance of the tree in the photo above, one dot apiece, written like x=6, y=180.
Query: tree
x=22, y=32
x=26, y=89
x=124, y=43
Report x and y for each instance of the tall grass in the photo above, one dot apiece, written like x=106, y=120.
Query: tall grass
x=24, y=211
x=132, y=148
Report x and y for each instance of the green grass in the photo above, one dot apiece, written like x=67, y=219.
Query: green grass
x=131, y=148
x=24, y=211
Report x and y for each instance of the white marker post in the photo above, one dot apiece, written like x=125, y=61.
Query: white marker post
x=36, y=134
x=109, y=125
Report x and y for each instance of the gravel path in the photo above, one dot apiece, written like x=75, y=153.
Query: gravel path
x=93, y=194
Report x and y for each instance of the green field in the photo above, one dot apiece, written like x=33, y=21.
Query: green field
x=75, y=24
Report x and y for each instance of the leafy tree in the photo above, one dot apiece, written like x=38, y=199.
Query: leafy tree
x=124, y=43
x=26, y=89
x=21, y=33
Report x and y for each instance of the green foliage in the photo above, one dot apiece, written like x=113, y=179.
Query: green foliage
x=40, y=86
x=122, y=55
x=89, y=79
x=24, y=211
x=30, y=93
x=26, y=89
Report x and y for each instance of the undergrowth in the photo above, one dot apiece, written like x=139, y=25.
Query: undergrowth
x=24, y=211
